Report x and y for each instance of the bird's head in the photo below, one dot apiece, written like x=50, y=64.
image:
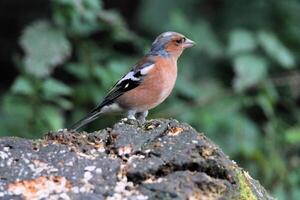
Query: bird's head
x=170, y=44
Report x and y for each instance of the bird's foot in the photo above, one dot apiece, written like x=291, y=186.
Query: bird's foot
x=134, y=117
x=131, y=121
x=141, y=117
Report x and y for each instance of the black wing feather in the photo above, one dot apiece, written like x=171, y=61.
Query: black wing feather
x=117, y=91
x=120, y=88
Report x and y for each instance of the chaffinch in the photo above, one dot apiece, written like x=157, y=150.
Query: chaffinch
x=147, y=84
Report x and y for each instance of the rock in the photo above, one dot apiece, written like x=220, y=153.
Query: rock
x=162, y=159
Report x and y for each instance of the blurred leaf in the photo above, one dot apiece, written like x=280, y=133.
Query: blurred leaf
x=92, y=4
x=214, y=116
x=292, y=135
x=241, y=41
x=105, y=75
x=63, y=103
x=279, y=192
x=276, y=50
x=248, y=135
x=88, y=93
x=53, y=117
x=249, y=70
x=294, y=180
x=223, y=117
x=90, y=53
x=22, y=86
x=79, y=70
x=184, y=82
x=53, y=88
x=78, y=17
x=202, y=34
x=202, y=91
x=9, y=127
x=207, y=39
x=271, y=91
x=45, y=47
x=180, y=21
x=18, y=107
x=155, y=11
x=117, y=24
x=266, y=104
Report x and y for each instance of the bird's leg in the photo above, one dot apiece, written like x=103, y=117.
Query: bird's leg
x=131, y=114
x=130, y=117
x=141, y=116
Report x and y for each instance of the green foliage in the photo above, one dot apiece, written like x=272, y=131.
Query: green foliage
x=236, y=46
x=80, y=17
x=249, y=70
x=276, y=50
x=22, y=86
x=239, y=84
x=292, y=135
x=45, y=47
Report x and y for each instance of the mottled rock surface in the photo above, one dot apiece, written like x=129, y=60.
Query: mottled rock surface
x=162, y=159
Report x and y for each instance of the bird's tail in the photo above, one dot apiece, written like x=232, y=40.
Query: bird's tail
x=87, y=119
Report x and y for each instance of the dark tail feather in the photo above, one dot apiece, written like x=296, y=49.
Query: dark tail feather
x=89, y=118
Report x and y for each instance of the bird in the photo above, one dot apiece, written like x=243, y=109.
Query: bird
x=147, y=84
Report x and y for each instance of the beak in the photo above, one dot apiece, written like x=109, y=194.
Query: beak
x=188, y=43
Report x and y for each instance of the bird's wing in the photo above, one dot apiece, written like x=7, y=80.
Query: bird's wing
x=128, y=82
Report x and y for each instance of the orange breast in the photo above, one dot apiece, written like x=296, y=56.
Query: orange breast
x=155, y=88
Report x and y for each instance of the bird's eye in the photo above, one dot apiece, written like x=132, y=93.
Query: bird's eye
x=178, y=41
x=181, y=40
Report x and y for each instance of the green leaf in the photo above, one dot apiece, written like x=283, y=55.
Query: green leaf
x=207, y=39
x=202, y=34
x=241, y=41
x=79, y=70
x=276, y=50
x=266, y=104
x=53, y=88
x=292, y=135
x=247, y=133
x=155, y=11
x=224, y=117
x=45, y=47
x=249, y=70
x=93, y=4
x=18, y=107
x=53, y=117
x=22, y=86
x=78, y=17
x=209, y=88
x=64, y=103
x=117, y=24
